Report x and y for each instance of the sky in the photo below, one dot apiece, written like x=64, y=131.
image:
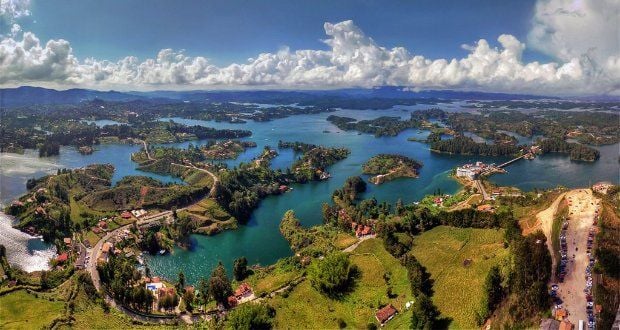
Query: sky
x=559, y=47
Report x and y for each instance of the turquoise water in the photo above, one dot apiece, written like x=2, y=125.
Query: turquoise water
x=260, y=241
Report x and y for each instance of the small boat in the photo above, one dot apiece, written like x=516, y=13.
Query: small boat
x=162, y=252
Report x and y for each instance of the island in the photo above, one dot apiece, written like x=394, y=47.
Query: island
x=386, y=167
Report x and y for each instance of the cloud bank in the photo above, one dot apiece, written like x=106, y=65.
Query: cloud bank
x=584, y=63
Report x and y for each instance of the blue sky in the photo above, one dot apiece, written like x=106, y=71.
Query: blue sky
x=234, y=30
x=555, y=47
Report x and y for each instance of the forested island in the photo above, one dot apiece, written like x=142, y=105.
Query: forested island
x=576, y=151
x=386, y=167
x=467, y=146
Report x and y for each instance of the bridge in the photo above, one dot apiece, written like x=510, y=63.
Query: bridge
x=510, y=161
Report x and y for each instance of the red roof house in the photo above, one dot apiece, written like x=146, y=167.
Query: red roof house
x=126, y=215
x=62, y=258
x=385, y=314
x=244, y=290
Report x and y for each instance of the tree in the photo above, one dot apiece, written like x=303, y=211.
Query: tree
x=188, y=299
x=219, y=285
x=333, y=275
x=493, y=289
x=424, y=313
x=180, y=286
x=240, y=268
x=251, y=316
x=203, y=291
x=2, y=251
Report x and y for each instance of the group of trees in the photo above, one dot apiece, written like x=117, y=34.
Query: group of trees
x=384, y=163
x=333, y=276
x=120, y=278
x=467, y=146
x=381, y=126
x=576, y=151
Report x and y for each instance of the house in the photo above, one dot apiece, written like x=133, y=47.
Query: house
x=243, y=291
x=17, y=204
x=67, y=241
x=385, y=314
x=103, y=225
x=485, y=208
x=164, y=291
x=154, y=287
x=62, y=258
x=96, y=230
x=156, y=279
x=283, y=188
x=126, y=215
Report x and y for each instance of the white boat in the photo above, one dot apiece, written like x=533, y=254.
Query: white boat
x=162, y=252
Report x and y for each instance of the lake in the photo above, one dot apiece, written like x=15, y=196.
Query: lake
x=260, y=240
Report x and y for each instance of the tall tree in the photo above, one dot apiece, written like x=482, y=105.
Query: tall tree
x=240, y=268
x=219, y=285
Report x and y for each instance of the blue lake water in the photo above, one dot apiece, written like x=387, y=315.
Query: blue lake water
x=260, y=241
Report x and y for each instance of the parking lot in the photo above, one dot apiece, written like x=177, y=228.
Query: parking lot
x=573, y=292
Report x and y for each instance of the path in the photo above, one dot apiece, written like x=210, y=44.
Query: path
x=359, y=241
x=216, y=180
x=544, y=220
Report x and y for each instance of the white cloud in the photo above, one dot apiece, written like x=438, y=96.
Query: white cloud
x=353, y=59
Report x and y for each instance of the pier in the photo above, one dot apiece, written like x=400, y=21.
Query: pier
x=511, y=161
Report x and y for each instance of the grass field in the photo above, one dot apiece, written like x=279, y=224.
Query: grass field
x=305, y=306
x=458, y=290
x=22, y=310
x=343, y=241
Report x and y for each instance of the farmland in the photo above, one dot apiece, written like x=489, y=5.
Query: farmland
x=459, y=260
x=304, y=305
x=22, y=310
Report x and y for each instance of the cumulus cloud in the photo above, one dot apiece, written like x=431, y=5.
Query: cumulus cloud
x=352, y=59
x=10, y=12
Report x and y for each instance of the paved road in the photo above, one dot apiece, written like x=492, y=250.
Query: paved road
x=94, y=253
x=481, y=190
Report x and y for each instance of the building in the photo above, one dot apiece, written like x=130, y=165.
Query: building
x=62, y=258
x=126, y=215
x=67, y=241
x=471, y=171
x=243, y=291
x=385, y=314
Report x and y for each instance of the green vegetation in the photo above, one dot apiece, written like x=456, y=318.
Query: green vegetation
x=333, y=275
x=452, y=255
x=21, y=310
x=251, y=316
x=219, y=285
x=48, y=206
x=382, y=126
x=382, y=280
x=575, y=150
x=387, y=167
x=466, y=146
x=586, y=126
x=608, y=258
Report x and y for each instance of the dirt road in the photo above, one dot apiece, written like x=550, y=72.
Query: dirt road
x=581, y=213
x=545, y=219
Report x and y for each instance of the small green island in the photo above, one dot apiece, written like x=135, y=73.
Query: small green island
x=386, y=167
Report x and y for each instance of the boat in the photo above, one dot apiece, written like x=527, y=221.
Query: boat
x=162, y=252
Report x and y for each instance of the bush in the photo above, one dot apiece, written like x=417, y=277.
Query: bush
x=251, y=316
x=333, y=275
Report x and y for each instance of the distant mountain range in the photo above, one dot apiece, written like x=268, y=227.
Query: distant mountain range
x=26, y=95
